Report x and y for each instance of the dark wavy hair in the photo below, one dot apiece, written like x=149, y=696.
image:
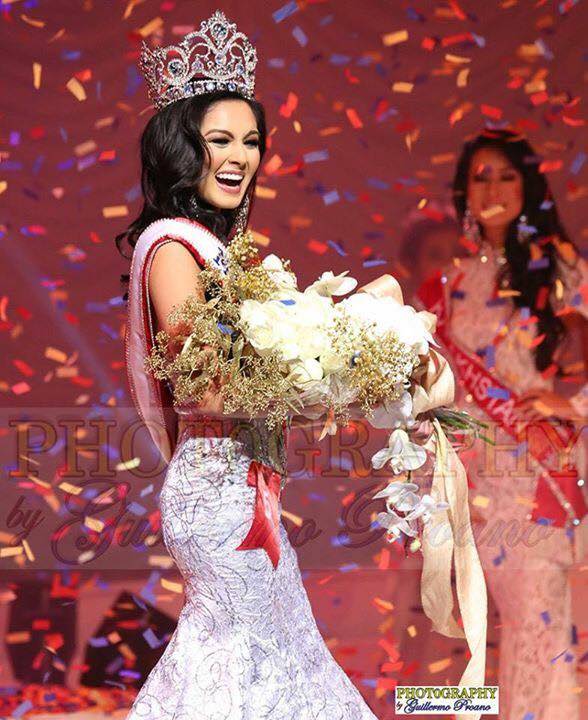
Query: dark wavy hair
x=174, y=156
x=541, y=213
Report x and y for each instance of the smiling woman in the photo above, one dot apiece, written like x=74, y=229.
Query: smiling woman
x=246, y=644
x=233, y=143
x=184, y=149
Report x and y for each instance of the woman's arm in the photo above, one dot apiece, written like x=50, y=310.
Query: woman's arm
x=173, y=277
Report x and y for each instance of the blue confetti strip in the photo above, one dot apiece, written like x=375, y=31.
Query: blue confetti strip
x=285, y=11
x=331, y=197
x=300, y=36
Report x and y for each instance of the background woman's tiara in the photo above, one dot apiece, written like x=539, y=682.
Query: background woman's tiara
x=216, y=57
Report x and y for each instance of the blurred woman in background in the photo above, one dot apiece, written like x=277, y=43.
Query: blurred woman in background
x=507, y=315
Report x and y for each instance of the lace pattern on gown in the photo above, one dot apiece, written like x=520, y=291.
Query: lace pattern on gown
x=246, y=646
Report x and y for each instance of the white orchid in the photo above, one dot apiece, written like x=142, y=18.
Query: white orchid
x=426, y=506
x=395, y=525
x=330, y=284
x=394, y=491
x=401, y=497
x=393, y=413
x=401, y=453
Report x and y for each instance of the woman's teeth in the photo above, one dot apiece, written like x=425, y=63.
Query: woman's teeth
x=229, y=182
x=492, y=210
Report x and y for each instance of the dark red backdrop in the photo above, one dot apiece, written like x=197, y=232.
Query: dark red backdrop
x=368, y=104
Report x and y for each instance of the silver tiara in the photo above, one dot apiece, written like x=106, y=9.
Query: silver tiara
x=216, y=57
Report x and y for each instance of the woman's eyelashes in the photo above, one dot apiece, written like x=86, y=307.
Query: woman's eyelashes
x=223, y=142
x=486, y=178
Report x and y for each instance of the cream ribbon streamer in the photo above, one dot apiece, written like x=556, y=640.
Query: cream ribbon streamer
x=448, y=540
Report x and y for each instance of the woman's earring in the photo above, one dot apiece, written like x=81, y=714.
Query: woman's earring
x=194, y=207
x=524, y=231
x=240, y=223
x=470, y=227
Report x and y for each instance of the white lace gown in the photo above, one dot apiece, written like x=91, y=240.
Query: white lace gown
x=528, y=581
x=246, y=646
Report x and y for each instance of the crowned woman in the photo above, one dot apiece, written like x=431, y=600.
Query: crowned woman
x=246, y=646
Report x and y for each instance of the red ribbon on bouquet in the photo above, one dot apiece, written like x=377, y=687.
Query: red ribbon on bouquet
x=264, y=532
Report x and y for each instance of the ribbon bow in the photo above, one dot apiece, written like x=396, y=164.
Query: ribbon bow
x=264, y=530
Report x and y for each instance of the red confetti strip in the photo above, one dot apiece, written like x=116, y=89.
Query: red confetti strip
x=315, y=246
x=354, y=118
x=542, y=296
x=23, y=367
x=287, y=108
x=550, y=166
x=491, y=111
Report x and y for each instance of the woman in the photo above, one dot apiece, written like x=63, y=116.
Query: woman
x=246, y=644
x=505, y=315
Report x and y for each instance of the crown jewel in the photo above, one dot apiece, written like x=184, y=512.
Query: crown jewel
x=216, y=57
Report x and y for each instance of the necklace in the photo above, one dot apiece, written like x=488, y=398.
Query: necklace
x=490, y=252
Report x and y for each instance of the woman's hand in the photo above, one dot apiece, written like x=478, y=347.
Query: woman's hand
x=539, y=404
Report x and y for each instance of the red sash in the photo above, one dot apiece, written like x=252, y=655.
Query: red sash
x=559, y=500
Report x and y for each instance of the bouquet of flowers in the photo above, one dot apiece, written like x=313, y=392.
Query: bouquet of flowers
x=280, y=351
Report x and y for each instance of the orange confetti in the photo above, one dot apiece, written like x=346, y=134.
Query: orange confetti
x=273, y=164
x=332, y=130
x=442, y=159
x=402, y=87
x=354, y=118
x=383, y=604
x=150, y=27
x=265, y=193
x=384, y=561
x=76, y=89
x=440, y=665
x=457, y=59
x=395, y=38
x=462, y=77
x=115, y=211
x=37, y=69
x=32, y=21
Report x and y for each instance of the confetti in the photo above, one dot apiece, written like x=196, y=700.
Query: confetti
x=76, y=89
x=115, y=211
x=37, y=70
x=440, y=665
x=395, y=38
x=402, y=87
x=265, y=193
